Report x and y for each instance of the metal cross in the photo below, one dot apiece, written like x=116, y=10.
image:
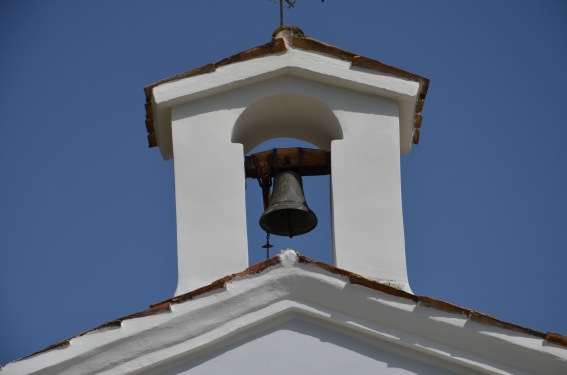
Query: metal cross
x=290, y=4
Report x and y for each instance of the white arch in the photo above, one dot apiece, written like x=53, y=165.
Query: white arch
x=287, y=116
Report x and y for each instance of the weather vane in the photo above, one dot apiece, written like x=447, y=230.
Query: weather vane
x=290, y=4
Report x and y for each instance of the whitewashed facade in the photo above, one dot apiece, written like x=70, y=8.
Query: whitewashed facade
x=291, y=314
x=363, y=116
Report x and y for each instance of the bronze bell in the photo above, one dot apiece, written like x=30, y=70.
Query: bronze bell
x=288, y=213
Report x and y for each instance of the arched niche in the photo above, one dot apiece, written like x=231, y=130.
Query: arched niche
x=287, y=116
x=291, y=117
x=211, y=135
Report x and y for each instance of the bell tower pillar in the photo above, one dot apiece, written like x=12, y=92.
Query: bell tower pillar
x=210, y=196
x=362, y=111
x=368, y=232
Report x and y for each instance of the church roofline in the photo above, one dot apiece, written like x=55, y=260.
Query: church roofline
x=353, y=278
x=296, y=39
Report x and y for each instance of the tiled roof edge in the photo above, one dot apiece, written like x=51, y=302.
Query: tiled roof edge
x=482, y=318
x=272, y=47
x=297, y=40
x=479, y=317
x=220, y=283
x=117, y=323
x=60, y=345
x=425, y=301
x=275, y=46
x=364, y=62
x=306, y=43
x=359, y=280
x=556, y=338
x=310, y=44
x=163, y=306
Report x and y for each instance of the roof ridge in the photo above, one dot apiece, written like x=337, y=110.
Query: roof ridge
x=296, y=39
x=425, y=301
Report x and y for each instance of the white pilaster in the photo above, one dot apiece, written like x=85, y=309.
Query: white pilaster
x=210, y=197
x=368, y=233
x=360, y=115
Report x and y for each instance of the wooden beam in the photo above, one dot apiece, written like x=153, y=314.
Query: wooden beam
x=304, y=161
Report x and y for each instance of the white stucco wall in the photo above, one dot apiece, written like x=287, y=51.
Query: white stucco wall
x=300, y=347
x=316, y=67
x=211, y=135
x=368, y=233
x=303, y=314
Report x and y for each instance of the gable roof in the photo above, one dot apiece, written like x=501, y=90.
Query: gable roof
x=293, y=38
x=292, y=282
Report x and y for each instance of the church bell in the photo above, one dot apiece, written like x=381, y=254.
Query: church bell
x=288, y=213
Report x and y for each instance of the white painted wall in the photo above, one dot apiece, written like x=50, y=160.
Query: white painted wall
x=368, y=235
x=300, y=347
x=211, y=135
x=311, y=66
x=299, y=313
x=210, y=198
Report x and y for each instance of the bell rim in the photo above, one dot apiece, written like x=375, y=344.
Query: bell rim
x=307, y=229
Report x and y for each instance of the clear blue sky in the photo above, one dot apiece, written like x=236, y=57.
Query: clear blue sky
x=87, y=211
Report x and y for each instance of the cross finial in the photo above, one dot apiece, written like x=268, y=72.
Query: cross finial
x=290, y=4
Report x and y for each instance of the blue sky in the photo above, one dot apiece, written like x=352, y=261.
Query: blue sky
x=87, y=211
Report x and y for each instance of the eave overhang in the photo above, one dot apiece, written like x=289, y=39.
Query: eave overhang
x=289, y=53
x=290, y=286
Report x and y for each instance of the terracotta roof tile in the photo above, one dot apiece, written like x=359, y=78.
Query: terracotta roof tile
x=365, y=62
x=204, y=69
x=60, y=345
x=438, y=304
x=273, y=47
x=442, y=306
x=556, y=338
x=359, y=280
x=277, y=45
x=117, y=323
x=476, y=316
x=314, y=45
x=220, y=283
x=252, y=53
x=424, y=301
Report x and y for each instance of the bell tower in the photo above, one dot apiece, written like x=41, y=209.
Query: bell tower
x=362, y=112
